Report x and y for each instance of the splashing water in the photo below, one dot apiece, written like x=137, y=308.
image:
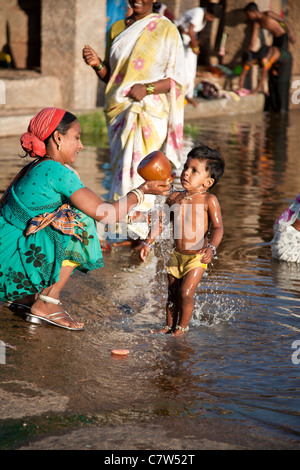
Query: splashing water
x=212, y=309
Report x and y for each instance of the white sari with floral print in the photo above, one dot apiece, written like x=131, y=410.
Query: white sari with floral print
x=145, y=52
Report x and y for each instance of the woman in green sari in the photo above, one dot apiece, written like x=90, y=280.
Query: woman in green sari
x=47, y=220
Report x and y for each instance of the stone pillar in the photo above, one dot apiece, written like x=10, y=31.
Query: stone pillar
x=67, y=26
x=178, y=7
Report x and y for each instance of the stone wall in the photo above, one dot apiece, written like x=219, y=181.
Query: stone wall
x=79, y=22
x=48, y=36
x=293, y=19
x=177, y=7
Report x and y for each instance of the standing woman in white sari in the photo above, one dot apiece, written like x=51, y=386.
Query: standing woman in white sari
x=144, y=98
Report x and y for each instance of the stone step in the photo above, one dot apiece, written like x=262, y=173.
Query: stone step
x=224, y=106
x=15, y=122
x=27, y=90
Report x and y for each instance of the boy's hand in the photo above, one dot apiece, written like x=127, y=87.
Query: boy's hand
x=144, y=252
x=207, y=253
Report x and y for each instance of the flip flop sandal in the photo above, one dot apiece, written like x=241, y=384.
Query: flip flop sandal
x=33, y=318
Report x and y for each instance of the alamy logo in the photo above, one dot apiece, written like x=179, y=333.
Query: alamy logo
x=188, y=222
x=2, y=92
x=2, y=353
x=296, y=354
x=296, y=93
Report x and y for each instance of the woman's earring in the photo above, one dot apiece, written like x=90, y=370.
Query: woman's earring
x=58, y=147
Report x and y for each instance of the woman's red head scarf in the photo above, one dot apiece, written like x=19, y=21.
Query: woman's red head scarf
x=40, y=127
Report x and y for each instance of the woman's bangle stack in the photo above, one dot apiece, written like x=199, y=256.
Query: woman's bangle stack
x=99, y=67
x=150, y=88
x=139, y=194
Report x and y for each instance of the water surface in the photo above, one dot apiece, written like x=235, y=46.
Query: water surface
x=236, y=361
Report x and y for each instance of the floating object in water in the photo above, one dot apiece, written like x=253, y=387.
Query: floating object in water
x=120, y=352
x=156, y=166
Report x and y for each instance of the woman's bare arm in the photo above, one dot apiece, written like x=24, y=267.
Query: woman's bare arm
x=91, y=58
x=88, y=202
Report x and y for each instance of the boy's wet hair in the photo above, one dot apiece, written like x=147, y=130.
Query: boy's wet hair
x=252, y=6
x=214, y=161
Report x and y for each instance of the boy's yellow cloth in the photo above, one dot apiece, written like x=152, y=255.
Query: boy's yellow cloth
x=179, y=264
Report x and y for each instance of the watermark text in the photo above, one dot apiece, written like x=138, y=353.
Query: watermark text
x=296, y=94
x=2, y=92
x=2, y=352
x=296, y=353
x=180, y=222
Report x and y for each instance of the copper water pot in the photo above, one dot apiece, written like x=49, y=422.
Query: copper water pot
x=155, y=166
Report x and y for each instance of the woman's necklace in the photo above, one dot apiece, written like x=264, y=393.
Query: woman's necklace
x=189, y=197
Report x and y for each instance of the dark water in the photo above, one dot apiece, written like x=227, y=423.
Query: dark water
x=236, y=362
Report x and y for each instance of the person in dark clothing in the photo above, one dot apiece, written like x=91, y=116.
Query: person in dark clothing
x=280, y=72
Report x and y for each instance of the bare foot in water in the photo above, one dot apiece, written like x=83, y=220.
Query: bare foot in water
x=165, y=330
x=180, y=331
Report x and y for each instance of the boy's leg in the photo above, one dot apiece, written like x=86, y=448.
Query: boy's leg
x=173, y=302
x=188, y=287
x=172, y=308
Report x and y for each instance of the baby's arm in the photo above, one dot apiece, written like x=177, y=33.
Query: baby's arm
x=147, y=244
x=215, y=216
x=145, y=250
x=156, y=230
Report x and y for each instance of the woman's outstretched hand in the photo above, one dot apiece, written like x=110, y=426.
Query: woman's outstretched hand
x=156, y=187
x=90, y=56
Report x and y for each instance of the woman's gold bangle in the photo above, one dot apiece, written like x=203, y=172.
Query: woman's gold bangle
x=150, y=88
x=99, y=67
